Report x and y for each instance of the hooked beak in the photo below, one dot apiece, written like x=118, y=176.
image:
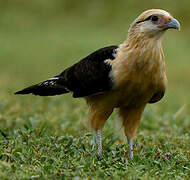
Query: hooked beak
x=173, y=23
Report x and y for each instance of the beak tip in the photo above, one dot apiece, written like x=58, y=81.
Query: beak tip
x=173, y=23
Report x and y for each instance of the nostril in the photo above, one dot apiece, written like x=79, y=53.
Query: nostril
x=169, y=19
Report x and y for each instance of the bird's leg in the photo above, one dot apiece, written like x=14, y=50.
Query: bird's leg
x=99, y=142
x=131, y=119
x=98, y=114
x=130, y=148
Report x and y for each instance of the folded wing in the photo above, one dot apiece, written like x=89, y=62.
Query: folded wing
x=89, y=76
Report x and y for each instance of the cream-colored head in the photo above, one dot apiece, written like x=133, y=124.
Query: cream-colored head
x=153, y=23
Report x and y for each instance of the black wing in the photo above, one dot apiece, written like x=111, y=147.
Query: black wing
x=157, y=97
x=88, y=76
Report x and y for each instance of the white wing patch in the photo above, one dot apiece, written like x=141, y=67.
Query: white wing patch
x=54, y=78
x=114, y=54
x=107, y=61
x=49, y=82
x=52, y=82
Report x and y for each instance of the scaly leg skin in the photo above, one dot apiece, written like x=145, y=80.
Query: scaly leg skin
x=130, y=148
x=99, y=142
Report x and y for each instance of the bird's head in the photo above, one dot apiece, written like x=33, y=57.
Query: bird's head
x=153, y=23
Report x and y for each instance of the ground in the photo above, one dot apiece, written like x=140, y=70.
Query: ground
x=49, y=137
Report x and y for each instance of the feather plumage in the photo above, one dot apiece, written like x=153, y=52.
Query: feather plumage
x=126, y=77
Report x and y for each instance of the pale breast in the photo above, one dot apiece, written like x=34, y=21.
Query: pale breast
x=138, y=78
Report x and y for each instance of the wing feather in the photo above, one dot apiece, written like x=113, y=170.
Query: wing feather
x=157, y=97
x=90, y=75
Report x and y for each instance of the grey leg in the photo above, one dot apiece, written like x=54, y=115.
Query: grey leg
x=99, y=141
x=130, y=148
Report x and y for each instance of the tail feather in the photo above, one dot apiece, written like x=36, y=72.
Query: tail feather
x=46, y=88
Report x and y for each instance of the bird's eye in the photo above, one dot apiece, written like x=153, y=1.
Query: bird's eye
x=154, y=18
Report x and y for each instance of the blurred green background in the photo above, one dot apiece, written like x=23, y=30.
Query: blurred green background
x=39, y=39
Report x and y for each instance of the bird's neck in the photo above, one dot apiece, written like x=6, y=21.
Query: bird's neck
x=142, y=54
x=143, y=41
x=140, y=59
x=143, y=48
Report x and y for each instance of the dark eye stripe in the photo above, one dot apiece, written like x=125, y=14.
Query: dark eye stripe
x=148, y=18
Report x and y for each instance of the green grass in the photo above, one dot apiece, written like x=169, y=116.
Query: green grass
x=49, y=137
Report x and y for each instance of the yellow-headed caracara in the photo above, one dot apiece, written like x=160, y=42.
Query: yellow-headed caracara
x=126, y=77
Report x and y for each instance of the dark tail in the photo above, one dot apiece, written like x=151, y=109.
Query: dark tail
x=49, y=87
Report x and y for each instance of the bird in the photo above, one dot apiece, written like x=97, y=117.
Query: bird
x=125, y=77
